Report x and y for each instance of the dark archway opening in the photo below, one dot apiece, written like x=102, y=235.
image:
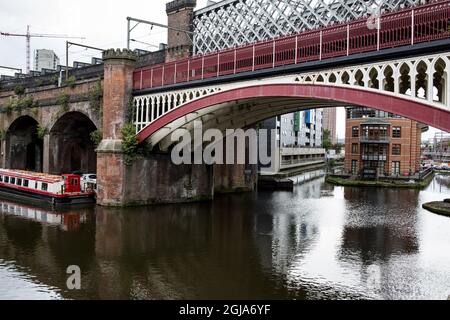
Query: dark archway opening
x=71, y=146
x=23, y=146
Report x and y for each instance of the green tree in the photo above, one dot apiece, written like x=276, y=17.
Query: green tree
x=338, y=148
x=326, y=144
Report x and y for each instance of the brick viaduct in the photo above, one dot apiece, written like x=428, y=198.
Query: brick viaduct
x=54, y=126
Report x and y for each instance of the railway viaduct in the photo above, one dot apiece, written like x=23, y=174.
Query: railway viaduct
x=54, y=125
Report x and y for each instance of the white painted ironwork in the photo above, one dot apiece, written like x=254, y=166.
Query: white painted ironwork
x=422, y=79
x=231, y=23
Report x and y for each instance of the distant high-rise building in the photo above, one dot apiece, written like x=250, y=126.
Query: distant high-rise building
x=330, y=123
x=298, y=141
x=45, y=59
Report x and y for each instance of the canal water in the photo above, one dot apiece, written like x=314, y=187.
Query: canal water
x=318, y=242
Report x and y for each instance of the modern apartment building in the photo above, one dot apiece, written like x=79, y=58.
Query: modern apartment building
x=381, y=144
x=298, y=141
x=45, y=59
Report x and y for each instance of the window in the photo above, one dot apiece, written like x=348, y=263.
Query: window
x=44, y=187
x=354, y=167
x=396, y=132
x=6, y=179
x=355, y=132
x=396, y=167
x=25, y=183
x=396, y=149
x=35, y=185
x=354, y=148
x=19, y=182
x=1, y=178
x=13, y=180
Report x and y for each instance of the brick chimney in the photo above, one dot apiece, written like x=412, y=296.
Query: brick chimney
x=180, y=15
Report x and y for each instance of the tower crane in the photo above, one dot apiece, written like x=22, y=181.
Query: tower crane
x=28, y=37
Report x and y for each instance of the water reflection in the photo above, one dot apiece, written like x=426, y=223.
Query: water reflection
x=317, y=242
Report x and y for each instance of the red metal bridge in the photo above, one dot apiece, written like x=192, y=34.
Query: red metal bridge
x=402, y=28
x=378, y=62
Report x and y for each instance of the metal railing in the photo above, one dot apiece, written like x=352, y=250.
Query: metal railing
x=407, y=27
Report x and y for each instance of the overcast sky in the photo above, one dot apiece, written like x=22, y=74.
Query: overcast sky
x=101, y=23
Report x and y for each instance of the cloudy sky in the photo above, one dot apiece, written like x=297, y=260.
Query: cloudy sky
x=101, y=23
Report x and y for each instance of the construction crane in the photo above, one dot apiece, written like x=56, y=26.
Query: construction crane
x=28, y=37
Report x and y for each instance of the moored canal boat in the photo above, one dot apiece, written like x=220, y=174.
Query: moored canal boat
x=54, y=189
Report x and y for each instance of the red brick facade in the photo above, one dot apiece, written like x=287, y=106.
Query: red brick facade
x=409, y=142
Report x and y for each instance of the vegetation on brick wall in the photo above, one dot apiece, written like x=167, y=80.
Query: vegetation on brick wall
x=70, y=82
x=130, y=113
x=96, y=99
x=19, y=104
x=63, y=100
x=130, y=143
x=96, y=137
x=2, y=135
x=41, y=132
x=55, y=79
x=19, y=90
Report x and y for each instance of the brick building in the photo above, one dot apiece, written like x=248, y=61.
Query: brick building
x=381, y=144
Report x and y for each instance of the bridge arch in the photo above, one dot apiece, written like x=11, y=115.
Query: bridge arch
x=71, y=145
x=24, y=146
x=297, y=96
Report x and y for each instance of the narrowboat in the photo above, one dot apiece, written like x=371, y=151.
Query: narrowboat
x=41, y=187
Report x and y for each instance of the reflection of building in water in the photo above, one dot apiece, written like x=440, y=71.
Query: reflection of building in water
x=282, y=238
x=67, y=221
x=380, y=223
x=378, y=242
x=379, y=226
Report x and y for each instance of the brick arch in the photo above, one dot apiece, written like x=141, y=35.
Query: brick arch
x=376, y=99
x=71, y=146
x=24, y=148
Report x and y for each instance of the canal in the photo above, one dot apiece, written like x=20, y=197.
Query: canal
x=318, y=242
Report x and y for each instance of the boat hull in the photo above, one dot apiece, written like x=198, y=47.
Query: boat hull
x=10, y=193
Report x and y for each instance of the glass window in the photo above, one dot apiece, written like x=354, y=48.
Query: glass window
x=1, y=178
x=6, y=179
x=396, y=167
x=19, y=182
x=44, y=187
x=354, y=167
x=396, y=149
x=354, y=148
x=25, y=183
x=396, y=132
x=13, y=180
x=355, y=132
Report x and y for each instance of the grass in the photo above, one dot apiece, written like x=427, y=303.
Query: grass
x=379, y=183
x=441, y=208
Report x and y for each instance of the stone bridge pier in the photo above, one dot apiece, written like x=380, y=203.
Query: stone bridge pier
x=151, y=178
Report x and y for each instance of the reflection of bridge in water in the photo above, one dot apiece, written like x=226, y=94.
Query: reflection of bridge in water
x=271, y=245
